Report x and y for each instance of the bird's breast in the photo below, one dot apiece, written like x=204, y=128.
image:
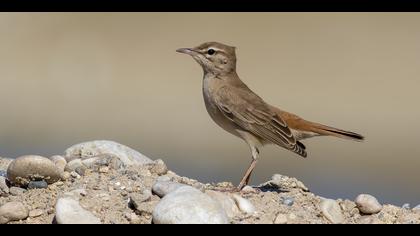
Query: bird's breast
x=210, y=87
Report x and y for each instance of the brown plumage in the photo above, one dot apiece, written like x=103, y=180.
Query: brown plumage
x=241, y=112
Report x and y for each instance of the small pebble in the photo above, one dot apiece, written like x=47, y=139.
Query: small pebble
x=37, y=184
x=15, y=191
x=280, y=219
x=244, y=204
x=13, y=211
x=368, y=204
x=332, y=211
x=36, y=213
x=103, y=169
x=406, y=206
x=288, y=201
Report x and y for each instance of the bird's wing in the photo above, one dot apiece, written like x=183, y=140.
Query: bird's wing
x=251, y=113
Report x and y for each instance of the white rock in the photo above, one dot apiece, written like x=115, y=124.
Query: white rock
x=162, y=188
x=73, y=165
x=4, y=189
x=280, y=219
x=227, y=203
x=244, y=204
x=187, y=205
x=15, y=191
x=69, y=211
x=416, y=208
x=332, y=211
x=24, y=169
x=94, y=148
x=36, y=213
x=60, y=162
x=13, y=211
x=368, y=204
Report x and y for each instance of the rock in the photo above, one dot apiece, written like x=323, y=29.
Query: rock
x=132, y=218
x=187, y=205
x=13, y=211
x=281, y=219
x=4, y=189
x=60, y=162
x=36, y=213
x=95, y=148
x=227, y=203
x=103, y=169
x=163, y=178
x=65, y=176
x=15, y=191
x=416, y=208
x=406, y=206
x=159, y=167
x=244, y=204
x=32, y=168
x=4, y=163
x=136, y=199
x=368, y=204
x=288, y=201
x=73, y=165
x=90, y=162
x=3, y=173
x=249, y=189
x=37, y=184
x=332, y=211
x=161, y=188
x=69, y=211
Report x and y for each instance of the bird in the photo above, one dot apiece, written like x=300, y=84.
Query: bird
x=240, y=111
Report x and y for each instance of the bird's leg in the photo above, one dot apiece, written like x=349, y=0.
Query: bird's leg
x=247, y=176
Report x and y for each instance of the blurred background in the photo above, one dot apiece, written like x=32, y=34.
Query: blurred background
x=67, y=78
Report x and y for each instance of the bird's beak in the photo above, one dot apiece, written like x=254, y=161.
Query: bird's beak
x=188, y=51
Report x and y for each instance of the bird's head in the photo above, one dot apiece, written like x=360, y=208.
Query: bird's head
x=214, y=57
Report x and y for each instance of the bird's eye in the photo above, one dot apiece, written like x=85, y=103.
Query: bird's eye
x=211, y=51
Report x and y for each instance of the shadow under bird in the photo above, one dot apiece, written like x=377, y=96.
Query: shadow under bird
x=241, y=112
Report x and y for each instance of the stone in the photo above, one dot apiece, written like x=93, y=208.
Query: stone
x=161, y=188
x=368, y=204
x=136, y=199
x=4, y=189
x=90, y=162
x=73, y=165
x=127, y=155
x=244, y=204
x=280, y=219
x=406, y=206
x=227, y=203
x=248, y=189
x=13, y=211
x=187, y=205
x=332, y=211
x=32, y=168
x=60, y=162
x=36, y=213
x=37, y=184
x=159, y=167
x=4, y=163
x=103, y=169
x=69, y=211
x=163, y=178
x=15, y=191
x=416, y=208
x=288, y=201
x=65, y=176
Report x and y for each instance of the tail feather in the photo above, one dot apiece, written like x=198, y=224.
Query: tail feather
x=326, y=130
